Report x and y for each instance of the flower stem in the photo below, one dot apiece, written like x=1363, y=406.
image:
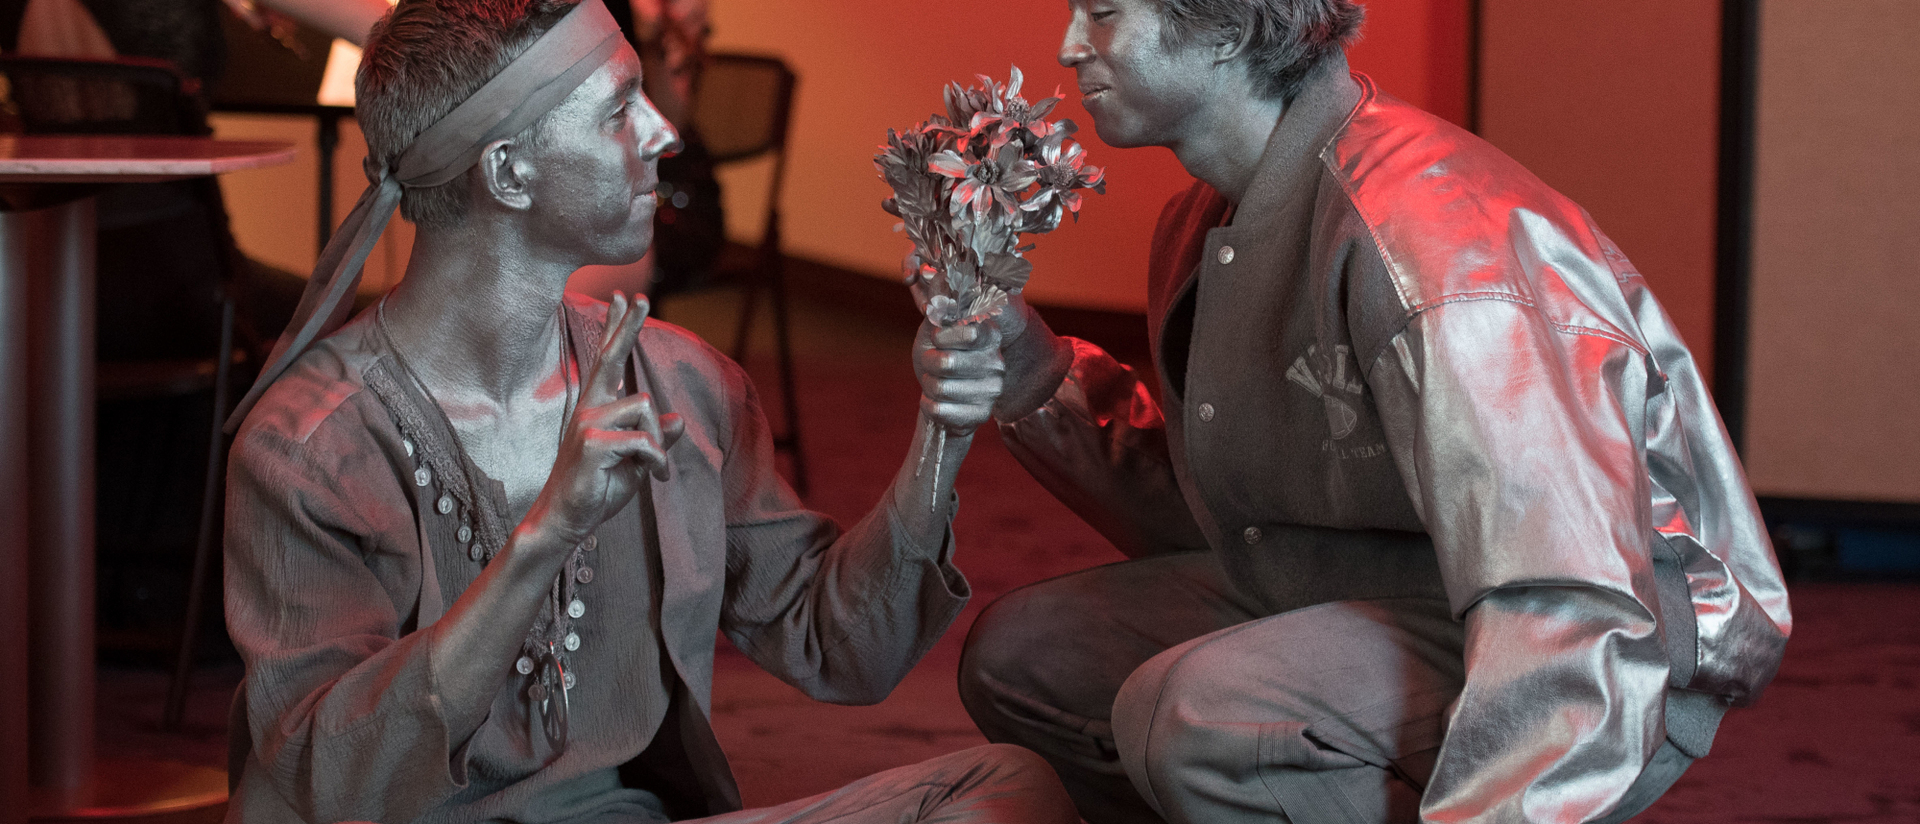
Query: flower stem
x=936, y=442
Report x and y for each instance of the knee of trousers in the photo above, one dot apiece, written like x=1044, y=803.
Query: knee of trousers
x=1018, y=775
x=1190, y=736
x=1010, y=635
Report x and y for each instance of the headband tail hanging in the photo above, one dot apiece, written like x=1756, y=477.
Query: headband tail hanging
x=328, y=298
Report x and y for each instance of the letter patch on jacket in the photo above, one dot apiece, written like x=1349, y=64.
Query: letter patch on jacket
x=1336, y=382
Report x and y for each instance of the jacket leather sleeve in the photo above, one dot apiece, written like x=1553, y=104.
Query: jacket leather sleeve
x=1520, y=442
x=840, y=616
x=343, y=710
x=1100, y=446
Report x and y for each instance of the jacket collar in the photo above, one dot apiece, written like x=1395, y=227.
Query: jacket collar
x=1283, y=189
x=1288, y=171
x=1290, y=162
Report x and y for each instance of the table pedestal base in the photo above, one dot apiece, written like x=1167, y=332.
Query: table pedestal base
x=147, y=792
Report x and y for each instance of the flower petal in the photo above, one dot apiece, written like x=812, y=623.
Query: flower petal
x=948, y=163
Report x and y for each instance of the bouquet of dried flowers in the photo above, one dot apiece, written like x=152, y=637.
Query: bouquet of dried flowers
x=968, y=184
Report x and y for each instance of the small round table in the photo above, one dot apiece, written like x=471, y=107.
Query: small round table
x=46, y=472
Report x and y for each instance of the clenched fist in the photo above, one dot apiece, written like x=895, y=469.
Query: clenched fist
x=961, y=373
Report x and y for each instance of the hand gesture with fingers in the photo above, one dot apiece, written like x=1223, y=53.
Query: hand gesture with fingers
x=610, y=440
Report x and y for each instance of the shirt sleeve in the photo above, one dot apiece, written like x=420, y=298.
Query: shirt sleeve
x=1100, y=446
x=342, y=710
x=1519, y=444
x=842, y=616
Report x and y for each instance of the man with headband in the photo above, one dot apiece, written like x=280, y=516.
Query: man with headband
x=481, y=537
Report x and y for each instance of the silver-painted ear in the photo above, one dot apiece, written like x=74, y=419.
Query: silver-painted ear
x=1234, y=41
x=506, y=175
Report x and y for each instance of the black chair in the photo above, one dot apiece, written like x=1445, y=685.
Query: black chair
x=742, y=110
x=143, y=96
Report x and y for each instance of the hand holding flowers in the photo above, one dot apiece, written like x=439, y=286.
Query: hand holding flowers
x=966, y=186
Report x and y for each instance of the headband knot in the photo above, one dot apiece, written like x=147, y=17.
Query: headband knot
x=516, y=98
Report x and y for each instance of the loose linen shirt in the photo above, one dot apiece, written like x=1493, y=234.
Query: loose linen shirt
x=353, y=520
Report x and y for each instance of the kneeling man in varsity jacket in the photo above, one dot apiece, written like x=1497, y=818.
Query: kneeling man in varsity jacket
x=1431, y=516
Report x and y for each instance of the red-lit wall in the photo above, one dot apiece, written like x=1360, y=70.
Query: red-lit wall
x=1611, y=101
x=866, y=65
x=1615, y=103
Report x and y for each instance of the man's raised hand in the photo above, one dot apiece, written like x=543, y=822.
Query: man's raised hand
x=609, y=440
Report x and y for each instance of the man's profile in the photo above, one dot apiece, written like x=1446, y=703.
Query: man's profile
x=481, y=537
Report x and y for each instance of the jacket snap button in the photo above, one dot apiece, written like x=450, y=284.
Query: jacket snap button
x=1226, y=254
x=1206, y=412
x=1252, y=535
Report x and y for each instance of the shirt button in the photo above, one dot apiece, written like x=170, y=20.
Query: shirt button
x=566, y=680
x=1226, y=254
x=524, y=666
x=476, y=552
x=577, y=608
x=573, y=641
x=408, y=443
x=422, y=476
x=445, y=504
x=1206, y=412
x=1251, y=535
x=464, y=533
x=591, y=543
x=583, y=575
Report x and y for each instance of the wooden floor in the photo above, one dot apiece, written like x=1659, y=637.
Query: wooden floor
x=1835, y=739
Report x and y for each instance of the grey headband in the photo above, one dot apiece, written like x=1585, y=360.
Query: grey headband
x=529, y=87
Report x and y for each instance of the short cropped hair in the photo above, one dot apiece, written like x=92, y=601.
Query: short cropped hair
x=1286, y=38
x=427, y=57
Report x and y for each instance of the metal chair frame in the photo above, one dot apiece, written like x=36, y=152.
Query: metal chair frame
x=767, y=270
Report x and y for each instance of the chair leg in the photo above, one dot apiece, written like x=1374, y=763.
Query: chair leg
x=749, y=301
x=770, y=276
x=204, y=542
x=789, y=396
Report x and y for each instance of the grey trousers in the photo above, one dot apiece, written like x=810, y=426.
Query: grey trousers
x=1159, y=692
x=992, y=784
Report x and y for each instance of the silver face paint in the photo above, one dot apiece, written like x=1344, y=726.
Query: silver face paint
x=1140, y=89
x=595, y=167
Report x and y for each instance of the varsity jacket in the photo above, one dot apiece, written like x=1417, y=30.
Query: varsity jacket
x=1403, y=365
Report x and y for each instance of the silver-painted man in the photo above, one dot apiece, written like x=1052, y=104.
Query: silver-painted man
x=480, y=539
x=1430, y=517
